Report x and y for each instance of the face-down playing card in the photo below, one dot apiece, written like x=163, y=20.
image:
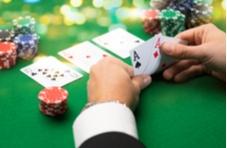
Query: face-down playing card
x=84, y=55
x=148, y=59
x=118, y=41
x=51, y=72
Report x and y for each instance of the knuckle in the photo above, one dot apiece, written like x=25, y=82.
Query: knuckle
x=179, y=51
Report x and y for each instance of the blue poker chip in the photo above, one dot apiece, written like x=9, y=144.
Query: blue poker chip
x=26, y=39
x=27, y=45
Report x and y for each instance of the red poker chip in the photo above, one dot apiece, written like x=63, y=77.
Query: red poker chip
x=152, y=14
x=53, y=95
x=7, y=62
x=151, y=21
x=7, y=48
x=51, y=111
x=8, y=54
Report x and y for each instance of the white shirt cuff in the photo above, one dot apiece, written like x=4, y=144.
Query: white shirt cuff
x=102, y=118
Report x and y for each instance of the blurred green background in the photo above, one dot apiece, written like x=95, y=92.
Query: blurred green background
x=186, y=115
x=76, y=13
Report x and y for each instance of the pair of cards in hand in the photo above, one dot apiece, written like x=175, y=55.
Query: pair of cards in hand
x=148, y=59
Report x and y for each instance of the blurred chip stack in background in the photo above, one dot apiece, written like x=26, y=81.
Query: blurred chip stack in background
x=18, y=40
x=26, y=38
x=187, y=13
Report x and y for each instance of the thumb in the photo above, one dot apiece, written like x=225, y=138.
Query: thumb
x=142, y=81
x=181, y=51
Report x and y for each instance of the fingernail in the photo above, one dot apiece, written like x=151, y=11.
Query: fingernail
x=147, y=80
x=167, y=75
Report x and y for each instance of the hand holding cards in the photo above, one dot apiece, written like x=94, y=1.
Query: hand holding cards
x=147, y=57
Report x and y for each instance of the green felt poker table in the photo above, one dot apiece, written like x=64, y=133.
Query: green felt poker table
x=186, y=115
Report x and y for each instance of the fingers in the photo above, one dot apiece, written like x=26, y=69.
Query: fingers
x=184, y=70
x=221, y=76
x=193, y=71
x=193, y=36
x=169, y=73
x=181, y=51
x=141, y=82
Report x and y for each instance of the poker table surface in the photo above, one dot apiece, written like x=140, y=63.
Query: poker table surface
x=174, y=115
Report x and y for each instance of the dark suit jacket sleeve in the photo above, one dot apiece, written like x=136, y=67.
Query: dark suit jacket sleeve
x=106, y=125
x=112, y=140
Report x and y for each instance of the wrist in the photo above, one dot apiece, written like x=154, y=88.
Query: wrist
x=92, y=103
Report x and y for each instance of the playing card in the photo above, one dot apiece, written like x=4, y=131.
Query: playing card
x=151, y=59
x=143, y=57
x=165, y=61
x=118, y=41
x=51, y=72
x=84, y=55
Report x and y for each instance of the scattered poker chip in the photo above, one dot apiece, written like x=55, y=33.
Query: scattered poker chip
x=53, y=101
x=24, y=25
x=151, y=21
x=27, y=45
x=6, y=35
x=8, y=55
x=172, y=22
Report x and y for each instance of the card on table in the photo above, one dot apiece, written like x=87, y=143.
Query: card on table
x=118, y=41
x=148, y=59
x=51, y=72
x=84, y=55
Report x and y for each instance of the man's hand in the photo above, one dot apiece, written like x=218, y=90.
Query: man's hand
x=111, y=79
x=205, y=53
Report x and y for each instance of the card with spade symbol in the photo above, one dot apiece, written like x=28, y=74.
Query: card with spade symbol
x=148, y=59
x=84, y=55
x=141, y=57
x=51, y=72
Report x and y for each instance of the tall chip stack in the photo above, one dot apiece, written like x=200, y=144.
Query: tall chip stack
x=172, y=22
x=200, y=14
x=26, y=38
x=194, y=13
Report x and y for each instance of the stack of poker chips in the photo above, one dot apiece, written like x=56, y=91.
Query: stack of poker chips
x=53, y=101
x=195, y=12
x=172, y=22
x=151, y=21
x=8, y=54
x=27, y=45
x=8, y=50
x=26, y=38
x=168, y=21
x=21, y=37
x=198, y=12
x=6, y=35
